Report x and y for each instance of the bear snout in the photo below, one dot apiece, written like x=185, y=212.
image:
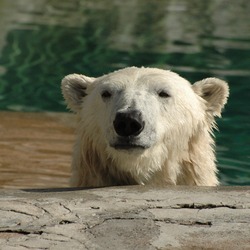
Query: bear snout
x=129, y=123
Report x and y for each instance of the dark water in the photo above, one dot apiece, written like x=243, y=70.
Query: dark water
x=43, y=40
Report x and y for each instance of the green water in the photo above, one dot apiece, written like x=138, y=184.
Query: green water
x=41, y=41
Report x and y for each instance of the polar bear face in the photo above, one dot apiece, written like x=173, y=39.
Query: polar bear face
x=143, y=113
x=140, y=109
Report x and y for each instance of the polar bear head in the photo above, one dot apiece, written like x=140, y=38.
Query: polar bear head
x=137, y=119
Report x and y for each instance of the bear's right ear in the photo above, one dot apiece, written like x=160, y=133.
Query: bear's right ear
x=215, y=92
x=74, y=88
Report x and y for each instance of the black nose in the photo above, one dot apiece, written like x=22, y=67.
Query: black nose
x=129, y=123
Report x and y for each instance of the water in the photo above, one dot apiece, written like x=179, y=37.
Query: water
x=35, y=149
x=41, y=41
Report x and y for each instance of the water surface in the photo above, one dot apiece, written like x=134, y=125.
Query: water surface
x=41, y=41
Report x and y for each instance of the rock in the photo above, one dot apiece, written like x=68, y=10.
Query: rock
x=131, y=217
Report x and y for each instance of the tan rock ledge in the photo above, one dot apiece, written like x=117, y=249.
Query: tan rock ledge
x=131, y=217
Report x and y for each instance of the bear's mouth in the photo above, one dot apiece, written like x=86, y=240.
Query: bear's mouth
x=129, y=143
x=128, y=146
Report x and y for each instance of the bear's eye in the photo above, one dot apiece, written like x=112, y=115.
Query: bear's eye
x=106, y=94
x=163, y=94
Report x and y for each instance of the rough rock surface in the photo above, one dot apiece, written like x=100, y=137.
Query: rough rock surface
x=132, y=217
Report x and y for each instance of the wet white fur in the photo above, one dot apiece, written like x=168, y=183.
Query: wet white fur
x=177, y=134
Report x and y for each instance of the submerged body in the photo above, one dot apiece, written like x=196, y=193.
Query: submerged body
x=144, y=126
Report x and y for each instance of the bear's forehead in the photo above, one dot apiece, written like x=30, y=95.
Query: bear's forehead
x=134, y=76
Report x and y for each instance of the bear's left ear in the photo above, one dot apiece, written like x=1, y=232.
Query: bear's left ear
x=74, y=89
x=215, y=92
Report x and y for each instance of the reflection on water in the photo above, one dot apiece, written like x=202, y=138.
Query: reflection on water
x=43, y=40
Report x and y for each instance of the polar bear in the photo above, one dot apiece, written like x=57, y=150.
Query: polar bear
x=144, y=126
